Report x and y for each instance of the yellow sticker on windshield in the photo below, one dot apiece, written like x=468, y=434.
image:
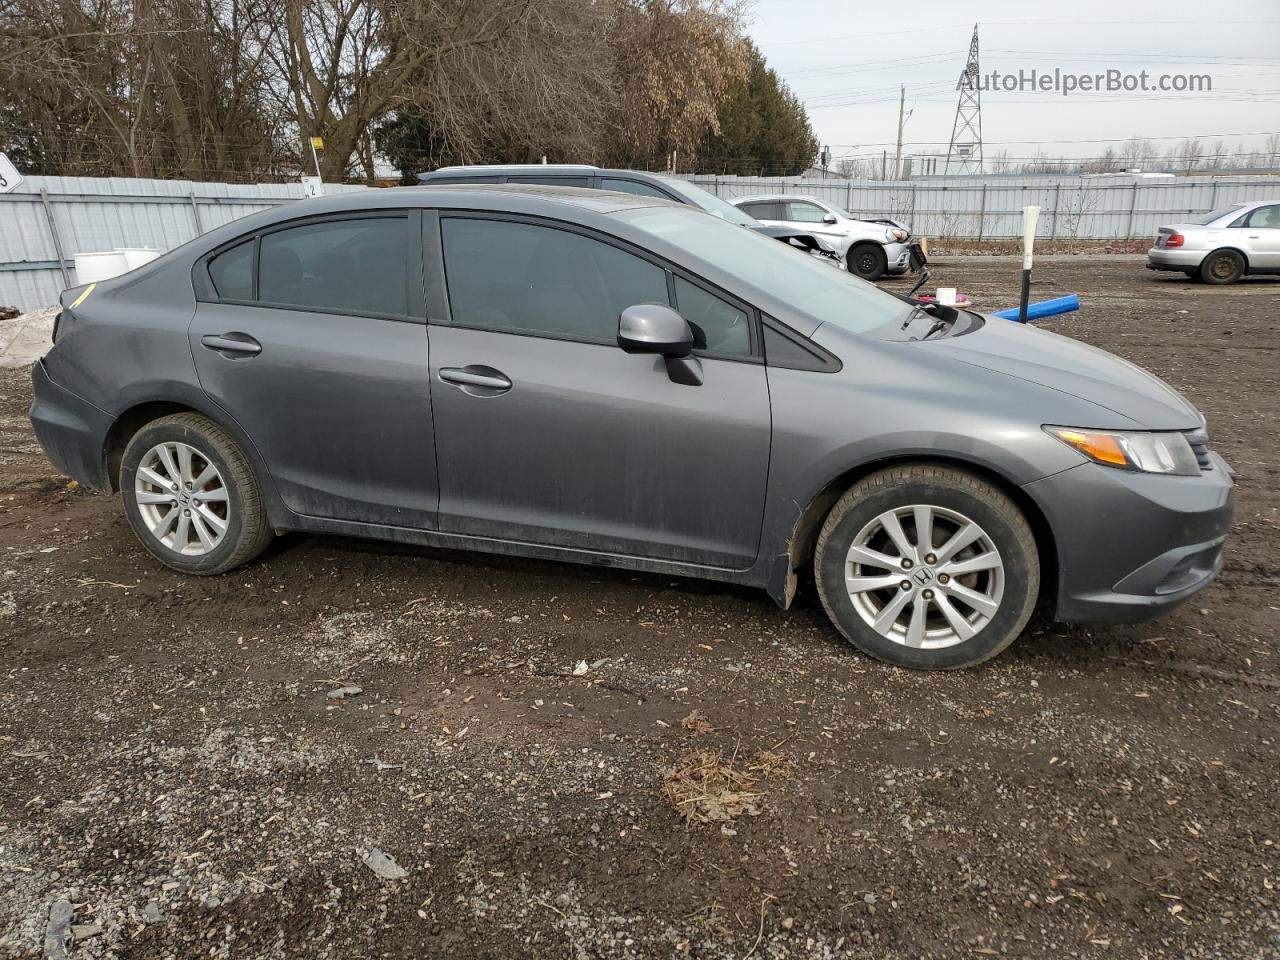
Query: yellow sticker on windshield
x=83, y=297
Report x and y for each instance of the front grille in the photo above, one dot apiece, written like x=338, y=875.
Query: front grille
x=1199, y=441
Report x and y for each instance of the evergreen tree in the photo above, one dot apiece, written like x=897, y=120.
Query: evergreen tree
x=763, y=128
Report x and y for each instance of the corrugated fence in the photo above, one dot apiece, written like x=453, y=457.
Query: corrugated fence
x=1072, y=208
x=49, y=220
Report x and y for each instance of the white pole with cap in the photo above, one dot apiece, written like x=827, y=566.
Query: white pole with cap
x=1029, y=217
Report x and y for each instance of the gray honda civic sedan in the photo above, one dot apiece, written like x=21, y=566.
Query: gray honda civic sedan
x=618, y=380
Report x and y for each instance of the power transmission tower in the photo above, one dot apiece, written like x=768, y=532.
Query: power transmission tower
x=903, y=116
x=966, y=132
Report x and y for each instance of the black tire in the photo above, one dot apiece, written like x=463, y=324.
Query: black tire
x=868, y=261
x=247, y=531
x=1222, y=266
x=950, y=490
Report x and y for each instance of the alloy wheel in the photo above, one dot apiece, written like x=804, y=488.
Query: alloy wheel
x=924, y=576
x=182, y=498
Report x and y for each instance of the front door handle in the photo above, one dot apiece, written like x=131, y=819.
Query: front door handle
x=477, y=380
x=239, y=344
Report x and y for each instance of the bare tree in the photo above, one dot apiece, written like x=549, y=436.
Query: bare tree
x=674, y=61
x=1187, y=155
x=147, y=88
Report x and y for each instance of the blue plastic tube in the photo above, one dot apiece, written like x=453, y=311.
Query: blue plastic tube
x=1045, y=308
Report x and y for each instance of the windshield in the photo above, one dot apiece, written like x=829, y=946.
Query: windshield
x=1217, y=215
x=709, y=202
x=798, y=279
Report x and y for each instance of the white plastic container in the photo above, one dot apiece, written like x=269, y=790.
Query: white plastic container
x=92, y=267
x=135, y=257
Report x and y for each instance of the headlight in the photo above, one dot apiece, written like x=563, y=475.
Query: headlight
x=1146, y=452
x=895, y=236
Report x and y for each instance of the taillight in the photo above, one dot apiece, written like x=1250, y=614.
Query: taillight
x=1174, y=240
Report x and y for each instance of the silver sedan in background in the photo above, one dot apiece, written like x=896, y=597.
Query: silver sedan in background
x=1222, y=246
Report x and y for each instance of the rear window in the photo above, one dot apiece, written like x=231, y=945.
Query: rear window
x=1216, y=215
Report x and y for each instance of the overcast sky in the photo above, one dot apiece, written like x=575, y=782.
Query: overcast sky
x=845, y=60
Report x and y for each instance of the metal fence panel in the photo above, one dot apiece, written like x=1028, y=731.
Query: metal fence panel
x=82, y=214
x=71, y=215
x=990, y=207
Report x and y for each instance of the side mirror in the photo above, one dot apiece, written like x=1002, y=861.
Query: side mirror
x=830, y=218
x=653, y=328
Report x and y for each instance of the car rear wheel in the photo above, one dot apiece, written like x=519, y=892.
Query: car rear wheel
x=191, y=496
x=927, y=567
x=1222, y=266
x=868, y=261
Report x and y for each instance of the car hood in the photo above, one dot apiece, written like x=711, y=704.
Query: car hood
x=1073, y=368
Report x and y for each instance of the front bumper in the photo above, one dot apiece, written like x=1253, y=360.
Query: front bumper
x=1179, y=258
x=1132, y=546
x=898, y=256
x=72, y=431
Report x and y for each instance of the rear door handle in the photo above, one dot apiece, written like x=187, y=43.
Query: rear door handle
x=240, y=344
x=477, y=380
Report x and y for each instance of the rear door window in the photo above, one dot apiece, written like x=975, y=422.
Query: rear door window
x=553, y=181
x=357, y=265
x=1265, y=217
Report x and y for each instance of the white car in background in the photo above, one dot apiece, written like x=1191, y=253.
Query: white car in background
x=1222, y=246
x=870, y=248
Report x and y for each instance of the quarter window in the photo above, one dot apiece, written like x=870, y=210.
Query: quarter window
x=232, y=272
x=345, y=266
x=524, y=278
x=718, y=326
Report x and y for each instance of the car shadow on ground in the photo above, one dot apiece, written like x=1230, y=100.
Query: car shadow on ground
x=1043, y=640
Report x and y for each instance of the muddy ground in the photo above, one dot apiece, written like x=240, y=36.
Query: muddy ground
x=179, y=774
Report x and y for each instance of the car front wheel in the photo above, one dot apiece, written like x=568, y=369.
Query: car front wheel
x=868, y=261
x=927, y=567
x=191, y=496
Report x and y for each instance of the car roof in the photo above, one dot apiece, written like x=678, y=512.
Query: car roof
x=531, y=170
x=566, y=168
x=516, y=197
x=777, y=196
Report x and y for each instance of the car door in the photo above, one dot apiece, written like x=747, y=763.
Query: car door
x=548, y=433
x=1259, y=236
x=311, y=334
x=810, y=217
